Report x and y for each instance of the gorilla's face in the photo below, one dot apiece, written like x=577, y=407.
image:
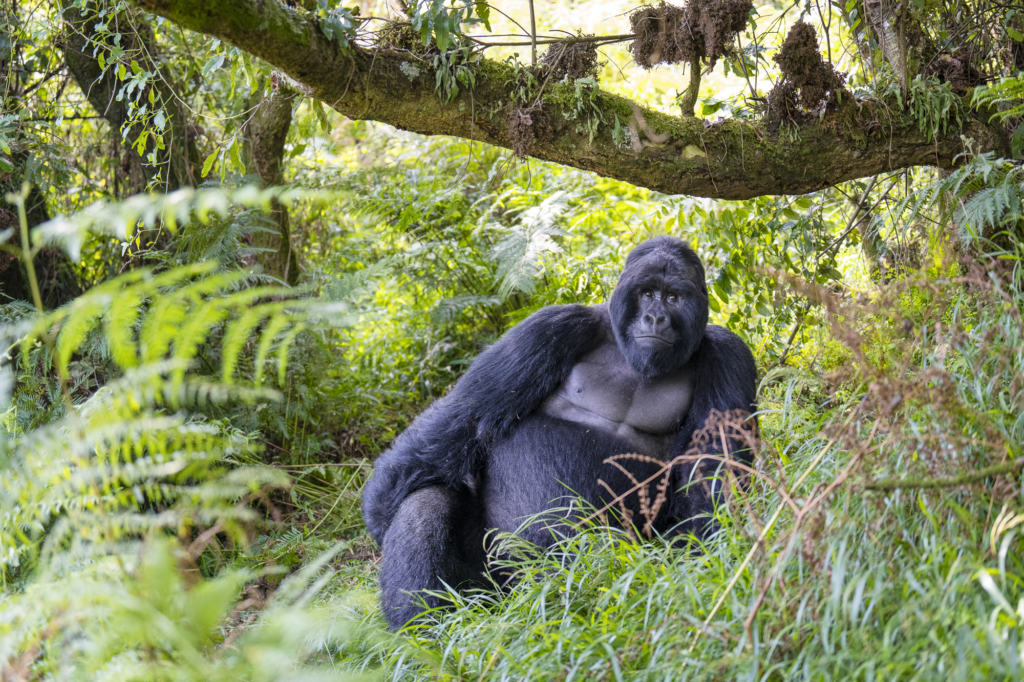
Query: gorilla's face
x=660, y=306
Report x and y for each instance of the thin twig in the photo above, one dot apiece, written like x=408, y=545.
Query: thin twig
x=533, y=36
x=691, y=458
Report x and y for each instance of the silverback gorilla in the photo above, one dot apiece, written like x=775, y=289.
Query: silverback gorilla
x=536, y=416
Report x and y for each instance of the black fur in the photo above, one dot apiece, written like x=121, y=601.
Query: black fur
x=447, y=444
x=486, y=455
x=516, y=487
x=436, y=541
x=726, y=379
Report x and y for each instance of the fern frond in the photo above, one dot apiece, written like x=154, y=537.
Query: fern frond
x=1008, y=90
x=170, y=210
x=987, y=195
x=274, y=327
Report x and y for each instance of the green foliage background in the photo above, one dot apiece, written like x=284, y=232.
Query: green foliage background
x=184, y=444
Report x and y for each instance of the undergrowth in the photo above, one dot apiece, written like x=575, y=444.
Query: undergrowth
x=892, y=551
x=128, y=513
x=184, y=448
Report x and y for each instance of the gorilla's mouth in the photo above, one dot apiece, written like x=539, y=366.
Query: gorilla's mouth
x=656, y=338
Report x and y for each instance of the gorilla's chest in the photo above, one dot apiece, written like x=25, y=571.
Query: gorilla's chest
x=603, y=392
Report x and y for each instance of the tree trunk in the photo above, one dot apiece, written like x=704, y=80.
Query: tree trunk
x=266, y=132
x=56, y=276
x=178, y=164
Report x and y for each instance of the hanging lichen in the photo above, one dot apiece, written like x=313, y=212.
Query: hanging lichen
x=703, y=30
x=809, y=84
x=573, y=58
x=525, y=125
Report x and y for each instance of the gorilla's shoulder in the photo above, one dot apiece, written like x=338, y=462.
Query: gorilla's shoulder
x=721, y=336
x=569, y=312
x=723, y=358
x=542, y=348
x=564, y=322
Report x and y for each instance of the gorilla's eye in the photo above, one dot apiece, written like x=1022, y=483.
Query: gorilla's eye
x=672, y=298
x=648, y=294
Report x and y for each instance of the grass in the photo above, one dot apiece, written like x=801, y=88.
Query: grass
x=920, y=385
x=867, y=545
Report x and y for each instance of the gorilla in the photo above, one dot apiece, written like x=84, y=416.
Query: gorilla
x=533, y=422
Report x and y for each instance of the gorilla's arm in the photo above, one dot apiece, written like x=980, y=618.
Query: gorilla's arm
x=724, y=378
x=508, y=381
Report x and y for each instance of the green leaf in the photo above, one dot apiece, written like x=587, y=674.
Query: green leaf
x=441, y=35
x=720, y=291
x=709, y=107
x=318, y=109
x=483, y=10
x=235, y=338
x=236, y=157
x=85, y=313
x=212, y=64
x=1014, y=33
x=282, y=352
x=210, y=602
x=274, y=327
x=208, y=164
x=120, y=326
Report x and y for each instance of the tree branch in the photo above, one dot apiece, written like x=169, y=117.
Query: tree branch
x=731, y=159
x=964, y=479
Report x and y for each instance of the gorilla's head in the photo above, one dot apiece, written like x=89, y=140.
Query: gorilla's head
x=659, y=308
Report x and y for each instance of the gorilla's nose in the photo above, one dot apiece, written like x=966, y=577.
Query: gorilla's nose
x=656, y=322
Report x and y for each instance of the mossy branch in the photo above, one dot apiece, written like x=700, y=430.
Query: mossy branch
x=965, y=479
x=731, y=159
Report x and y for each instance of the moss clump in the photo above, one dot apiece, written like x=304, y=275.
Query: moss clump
x=956, y=69
x=573, y=58
x=400, y=35
x=703, y=30
x=526, y=125
x=659, y=35
x=809, y=85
